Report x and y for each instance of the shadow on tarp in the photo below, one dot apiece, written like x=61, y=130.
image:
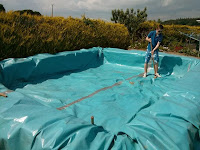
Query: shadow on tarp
x=26, y=76
x=23, y=83
x=168, y=63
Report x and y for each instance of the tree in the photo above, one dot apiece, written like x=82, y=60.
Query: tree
x=159, y=20
x=130, y=18
x=2, y=9
x=30, y=12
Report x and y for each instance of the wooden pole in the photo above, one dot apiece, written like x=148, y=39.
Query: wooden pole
x=52, y=10
x=92, y=120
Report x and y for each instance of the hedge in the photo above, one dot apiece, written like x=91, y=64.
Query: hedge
x=26, y=35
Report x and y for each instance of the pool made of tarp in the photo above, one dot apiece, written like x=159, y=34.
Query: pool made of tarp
x=51, y=99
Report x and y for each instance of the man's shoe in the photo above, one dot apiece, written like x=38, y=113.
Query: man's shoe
x=145, y=75
x=157, y=75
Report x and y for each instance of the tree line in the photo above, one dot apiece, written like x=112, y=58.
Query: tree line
x=183, y=21
x=21, y=12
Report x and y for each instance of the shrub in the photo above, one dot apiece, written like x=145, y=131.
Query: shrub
x=26, y=35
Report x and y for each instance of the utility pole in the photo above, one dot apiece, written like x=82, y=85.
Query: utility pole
x=52, y=10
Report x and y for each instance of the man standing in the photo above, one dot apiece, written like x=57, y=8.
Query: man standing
x=154, y=38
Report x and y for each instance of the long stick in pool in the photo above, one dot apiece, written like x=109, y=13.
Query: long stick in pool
x=153, y=59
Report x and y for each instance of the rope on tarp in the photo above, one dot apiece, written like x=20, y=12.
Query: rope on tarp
x=102, y=89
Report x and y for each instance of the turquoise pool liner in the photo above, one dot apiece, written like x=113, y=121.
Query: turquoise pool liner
x=51, y=99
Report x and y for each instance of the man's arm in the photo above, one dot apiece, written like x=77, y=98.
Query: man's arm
x=148, y=39
x=158, y=44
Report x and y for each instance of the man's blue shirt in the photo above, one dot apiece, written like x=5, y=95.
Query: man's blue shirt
x=154, y=39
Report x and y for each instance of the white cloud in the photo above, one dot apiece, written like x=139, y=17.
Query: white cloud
x=166, y=2
x=163, y=9
x=90, y=4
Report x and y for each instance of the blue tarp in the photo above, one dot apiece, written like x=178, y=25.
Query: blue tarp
x=51, y=99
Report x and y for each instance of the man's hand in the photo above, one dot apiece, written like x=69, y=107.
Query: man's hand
x=152, y=52
x=155, y=48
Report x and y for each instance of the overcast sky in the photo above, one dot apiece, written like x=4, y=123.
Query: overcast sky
x=163, y=9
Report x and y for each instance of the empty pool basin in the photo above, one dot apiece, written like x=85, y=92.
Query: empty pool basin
x=51, y=99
